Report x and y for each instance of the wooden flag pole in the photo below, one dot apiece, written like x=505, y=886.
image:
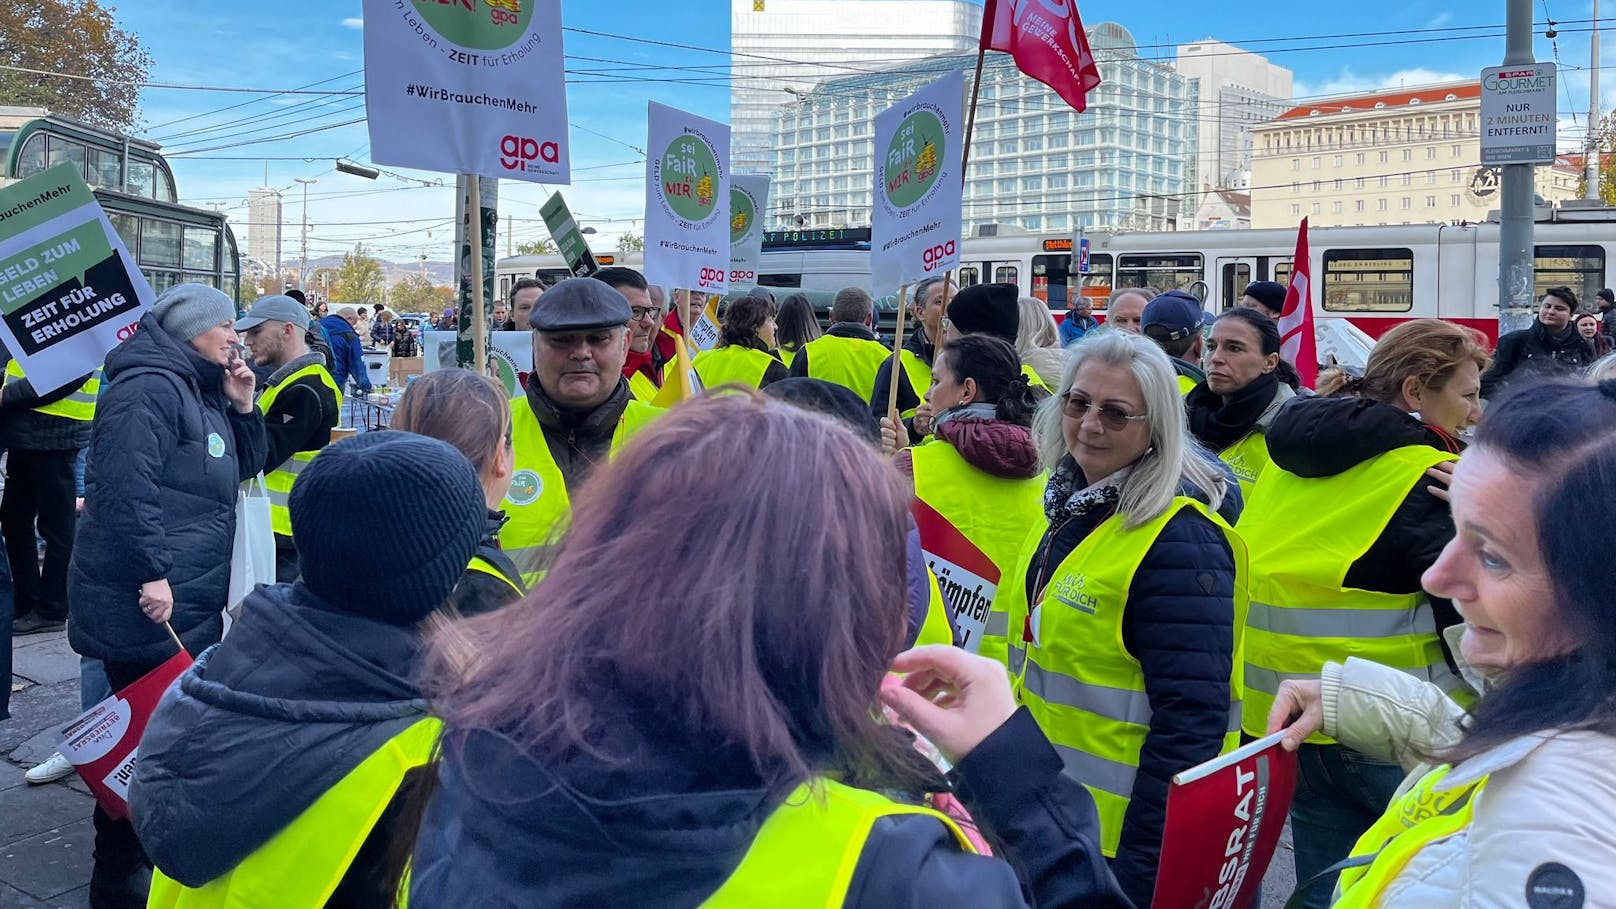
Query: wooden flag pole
x=175, y=637
x=897, y=358
x=970, y=115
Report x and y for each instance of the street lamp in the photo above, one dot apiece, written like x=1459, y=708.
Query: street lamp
x=303, y=263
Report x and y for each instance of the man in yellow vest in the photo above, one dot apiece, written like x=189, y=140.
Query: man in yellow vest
x=926, y=307
x=300, y=404
x=1174, y=321
x=43, y=435
x=848, y=353
x=576, y=411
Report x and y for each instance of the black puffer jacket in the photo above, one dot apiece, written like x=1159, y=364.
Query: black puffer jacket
x=1179, y=625
x=167, y=452
x=1322, y=437
x=478, y=591
x=1536, y=352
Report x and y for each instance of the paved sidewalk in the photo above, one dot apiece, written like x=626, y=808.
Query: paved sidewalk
x=45, y=832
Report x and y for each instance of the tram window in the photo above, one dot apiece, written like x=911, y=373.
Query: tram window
x=1006, y=274
x=209, y=279
x=31, y=160
x=1282, y=272
x=66, y=151
x=1163, y=271
x=164, y=186
x=780, y=280
x=969, y=275
x=103, y=170
x=159, y=242
x=1368, y=280
x=1581, y=268
x=201, y=248
x=1097, y=282
x=128, y=227
x=1052, y=279
x=141, y=178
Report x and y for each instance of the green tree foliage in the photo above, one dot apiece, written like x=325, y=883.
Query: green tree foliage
x=1605, y=133
x=416, y=293
x=359, y=279
x=536, y=248
x=77, y=38
x=630, y=243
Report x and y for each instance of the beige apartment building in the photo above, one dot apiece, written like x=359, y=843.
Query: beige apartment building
x=1407, y=156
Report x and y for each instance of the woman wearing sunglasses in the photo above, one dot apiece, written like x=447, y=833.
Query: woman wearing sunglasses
x=1125, y=608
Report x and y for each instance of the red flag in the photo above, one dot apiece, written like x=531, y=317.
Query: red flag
x=1046, y=38
x=1297, y=344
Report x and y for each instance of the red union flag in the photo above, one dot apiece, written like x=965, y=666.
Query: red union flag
x=1297, y=344
x=103, y=742
x=1046, y=38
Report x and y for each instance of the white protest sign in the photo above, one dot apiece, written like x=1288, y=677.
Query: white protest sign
x=1518, y=119
x=686, y=201
x=915, y=224
x=748, y=203
x=69, y=290
x=468, y=87
x=510, y=354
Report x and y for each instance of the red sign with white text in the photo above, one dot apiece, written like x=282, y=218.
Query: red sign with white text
x=103, y=741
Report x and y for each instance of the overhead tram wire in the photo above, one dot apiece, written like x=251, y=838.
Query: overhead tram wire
x=220, y=110
x=301, y=108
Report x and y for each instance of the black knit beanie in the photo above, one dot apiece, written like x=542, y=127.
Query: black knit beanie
x=988, y=309
x=396, y=556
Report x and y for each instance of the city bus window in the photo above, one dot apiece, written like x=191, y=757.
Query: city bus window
x=1368, y=280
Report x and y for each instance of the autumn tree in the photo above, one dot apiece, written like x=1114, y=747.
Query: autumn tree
x=536, y=248
x=84, y=65
x=359, y=279
x=1605, y=137
x=416, y=293
x=630, y=243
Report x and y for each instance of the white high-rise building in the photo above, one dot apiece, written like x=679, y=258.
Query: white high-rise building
x=785, y=48
x=264, y=226
x=1238, y=89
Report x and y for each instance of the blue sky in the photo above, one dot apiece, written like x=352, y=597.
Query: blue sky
x=291, y=43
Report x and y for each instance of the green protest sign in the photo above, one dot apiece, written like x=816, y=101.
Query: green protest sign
x=568, y=238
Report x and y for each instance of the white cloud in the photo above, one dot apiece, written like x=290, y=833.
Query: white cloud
x=353, y=22
x=1439, y=20
x=1349, y=82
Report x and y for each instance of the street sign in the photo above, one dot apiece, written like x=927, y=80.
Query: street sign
x=568, y=238
x=1518, y=114
x=1083, y=256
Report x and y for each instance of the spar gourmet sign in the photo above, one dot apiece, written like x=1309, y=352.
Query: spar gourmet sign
x=1518, y=119
x=915, y=227
x=687, y=185
x=482, y=78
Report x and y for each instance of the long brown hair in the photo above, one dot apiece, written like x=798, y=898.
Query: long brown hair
x=1431, y=350
x=458, y=406
x=774, y=614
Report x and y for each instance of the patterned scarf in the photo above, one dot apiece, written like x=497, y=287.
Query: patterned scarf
x=1066, y=497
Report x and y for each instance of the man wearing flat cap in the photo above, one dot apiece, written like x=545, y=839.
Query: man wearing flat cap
x=300, y=403
x=575, y=413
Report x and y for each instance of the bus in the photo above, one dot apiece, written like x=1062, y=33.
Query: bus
x=172, y=243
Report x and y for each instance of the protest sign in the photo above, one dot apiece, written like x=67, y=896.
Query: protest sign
x=69, y=290
x=915, y=224
x=103, y=742
x=686, y=201
x=1224, y=818
x=748, y=203
x=966, y=577
x=468, y=88
x=510, y=355
x=569, y=240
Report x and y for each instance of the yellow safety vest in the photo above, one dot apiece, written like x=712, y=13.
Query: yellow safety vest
x=80, y=405
x=483, y=566
x=849, y=362
x=1185, y=385
x=918, y=373
x=537, y=503
x=303, y=864
x=641, y=386
x=806, y=852
x=934, y=629
x=972, y=525
x=1247, y=459
x=1071, y=670
x=787, y=355
x=278, y=482
x=1305, y=533
x=1422, y=816
x=733, y=364
x=1033, y=378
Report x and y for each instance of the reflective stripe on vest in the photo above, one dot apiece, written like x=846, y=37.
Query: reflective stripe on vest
x=78, y=405
x=278, y=482
x=731, y=364
x=483, y=566
x=303, y=864
x=806, y=852
x=1422, y=816
x=917, y=373
x=1073, y=673
x=849, y=362
x=1305, y=533
x=537, y=503
x=972, y=525
x=1247, y=459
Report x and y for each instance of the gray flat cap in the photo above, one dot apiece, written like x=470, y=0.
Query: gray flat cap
x=579, y=304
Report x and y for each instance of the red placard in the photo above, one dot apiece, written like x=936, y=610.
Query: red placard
x=102, y=742
x=1224, y=818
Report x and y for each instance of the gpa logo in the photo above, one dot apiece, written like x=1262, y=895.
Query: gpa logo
x=522, y=152
x=711, y=277
x=938, y=254
x=525, y=488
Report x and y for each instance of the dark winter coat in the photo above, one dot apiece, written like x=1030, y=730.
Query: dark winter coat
x=167, y=452
x=908, y=397
x=263, y=725
x=670, y=826
x=347, y=354
x=1536, y=352
x=1179, y=625
x=1322, y=437
x=23, y=427
x=577, y=440
x=477, y=591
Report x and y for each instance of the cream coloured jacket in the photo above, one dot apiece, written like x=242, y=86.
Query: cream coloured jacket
x=1550, y=800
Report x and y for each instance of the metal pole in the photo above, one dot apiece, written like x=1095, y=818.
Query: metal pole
x=1591, y=162
x=1516, y=209
x=303, y=258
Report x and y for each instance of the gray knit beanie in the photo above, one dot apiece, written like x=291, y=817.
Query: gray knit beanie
x=187, y=310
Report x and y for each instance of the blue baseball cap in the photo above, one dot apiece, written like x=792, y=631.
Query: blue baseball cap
x=1176, y=313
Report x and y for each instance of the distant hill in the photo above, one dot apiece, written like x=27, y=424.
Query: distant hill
x=393, y=272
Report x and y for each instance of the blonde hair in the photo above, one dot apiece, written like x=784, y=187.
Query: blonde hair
x=1173, y=458
x=1430, y=350
x=1037, y=327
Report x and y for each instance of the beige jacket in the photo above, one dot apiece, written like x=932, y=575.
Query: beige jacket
x=1550, y=800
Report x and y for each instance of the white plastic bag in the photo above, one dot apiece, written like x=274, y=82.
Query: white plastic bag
x=252, y=557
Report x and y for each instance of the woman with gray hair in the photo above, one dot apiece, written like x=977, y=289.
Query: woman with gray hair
x=1126, y=610
x=1038, y=341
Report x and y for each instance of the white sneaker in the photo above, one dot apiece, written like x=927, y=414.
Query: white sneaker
x=54, y=768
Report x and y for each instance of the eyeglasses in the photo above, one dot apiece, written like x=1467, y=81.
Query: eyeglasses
x=1112, y=417
x=641, y=313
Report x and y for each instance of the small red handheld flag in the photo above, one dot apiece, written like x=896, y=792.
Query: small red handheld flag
x=102, y=743
x=1297, y=343
x=1046, y=39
